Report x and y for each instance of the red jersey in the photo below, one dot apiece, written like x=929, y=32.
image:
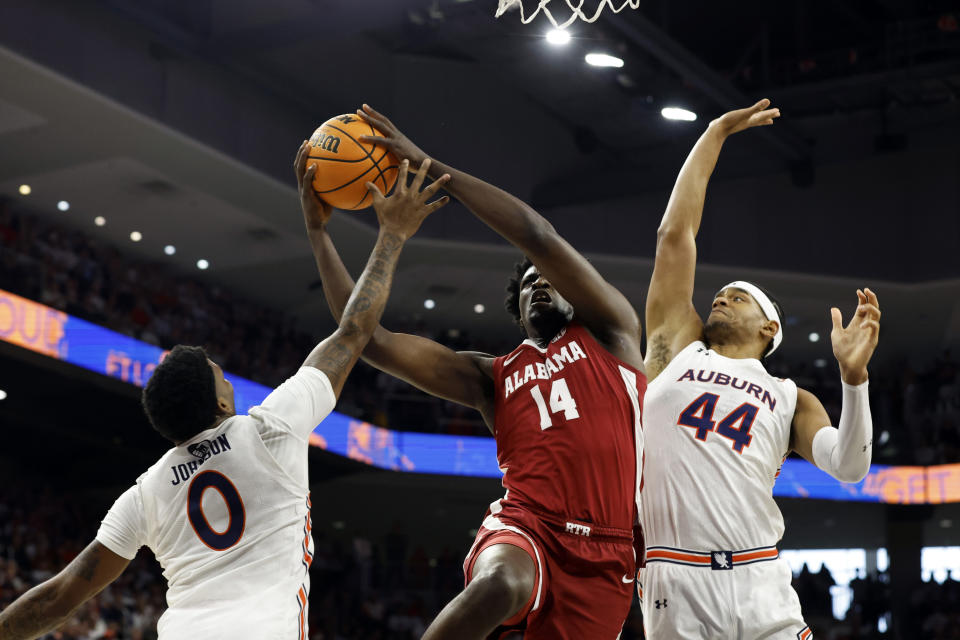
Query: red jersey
x=569, y=438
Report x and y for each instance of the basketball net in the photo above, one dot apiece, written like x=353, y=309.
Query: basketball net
x=575, y=6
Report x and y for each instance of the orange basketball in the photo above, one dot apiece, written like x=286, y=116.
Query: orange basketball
x=345, y=164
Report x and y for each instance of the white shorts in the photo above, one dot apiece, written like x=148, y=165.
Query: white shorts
x=705, y=596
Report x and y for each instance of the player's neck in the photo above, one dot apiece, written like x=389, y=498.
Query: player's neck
x=546, y=334
x=736, y=351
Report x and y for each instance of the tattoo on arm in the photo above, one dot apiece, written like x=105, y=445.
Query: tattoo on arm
x=333, y=360
x=86, y=565
x=47, y=605
x=362, y=313
x=31, y=615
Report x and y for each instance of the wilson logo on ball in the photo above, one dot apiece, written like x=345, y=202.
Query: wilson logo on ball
x=326, y=142
x=345, y=164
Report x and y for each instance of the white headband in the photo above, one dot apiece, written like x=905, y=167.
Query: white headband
x=766, y=305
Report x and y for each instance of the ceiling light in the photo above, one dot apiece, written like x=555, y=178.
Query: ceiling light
x=99, y=221
x=169, y=249
x=479, y=308
x=678, y=113
x=136, y=236
x=558, y=36
x=63, y=205
x=819, y=363
x=202, y=264
x=603, y=60
x=429, y=303
x=25, y=189
x=3, y=394
x=814, y=337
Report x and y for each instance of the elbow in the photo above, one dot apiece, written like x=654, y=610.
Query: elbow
x=853, y=474
x=672, y=234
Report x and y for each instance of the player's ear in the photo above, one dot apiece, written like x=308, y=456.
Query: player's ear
x=224, y=405
x=769, y=329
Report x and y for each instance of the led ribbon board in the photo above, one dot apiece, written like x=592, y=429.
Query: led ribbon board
x=58, y=335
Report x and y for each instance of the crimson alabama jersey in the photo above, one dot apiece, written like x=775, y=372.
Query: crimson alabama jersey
x=569, y=439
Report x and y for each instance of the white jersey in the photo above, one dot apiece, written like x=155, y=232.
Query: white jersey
x=716, y=431
x=227, y=514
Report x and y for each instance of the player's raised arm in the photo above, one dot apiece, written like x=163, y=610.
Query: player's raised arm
x=462, y=377
x=845, y=451
x=400, y=216
x=598, y=304
x=672, y=321
x=51, y=603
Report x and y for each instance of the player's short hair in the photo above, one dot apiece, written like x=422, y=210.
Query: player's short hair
x=180, y=398
x=512, y=300
x=779, y=310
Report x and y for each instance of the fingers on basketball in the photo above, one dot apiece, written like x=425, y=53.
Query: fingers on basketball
x=374, y=190
x=346, y=162
x=379, y=116
x=402, y=178
x=300, y=160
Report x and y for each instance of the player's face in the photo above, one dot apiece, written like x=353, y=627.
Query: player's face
x=224, y=390
x=540, y=302
x=734, y=316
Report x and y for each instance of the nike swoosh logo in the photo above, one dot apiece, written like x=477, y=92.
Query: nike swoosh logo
x=625, y=580
x=512, y=358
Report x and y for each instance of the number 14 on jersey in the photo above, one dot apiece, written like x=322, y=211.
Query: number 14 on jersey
x=560, y=400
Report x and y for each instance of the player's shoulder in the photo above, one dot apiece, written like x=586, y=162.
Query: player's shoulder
x=697, y=349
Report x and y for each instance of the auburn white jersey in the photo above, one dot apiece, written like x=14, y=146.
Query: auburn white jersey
x=227, y=514
x=716, y=430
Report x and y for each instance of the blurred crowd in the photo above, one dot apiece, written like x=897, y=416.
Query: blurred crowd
x=933, y=612
x=916, y=411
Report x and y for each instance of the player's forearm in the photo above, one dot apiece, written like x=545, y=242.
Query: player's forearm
x=845, y=452
x=365, y=306
x=685, y=208
x=337, y=287
x=506, y=214
x=33, y=614
x=337, y=283
x=336, y=355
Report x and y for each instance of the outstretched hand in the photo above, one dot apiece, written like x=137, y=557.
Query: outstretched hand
x=316, y=212
x=404, y=211
x=758, y=115
x=854, y=344
x=393, y=139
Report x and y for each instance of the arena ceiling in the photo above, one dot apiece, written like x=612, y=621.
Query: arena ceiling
x=180, y=119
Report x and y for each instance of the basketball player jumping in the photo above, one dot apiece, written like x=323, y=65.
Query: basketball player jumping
x=554, y=556
x=718, y=427
x=236, y=558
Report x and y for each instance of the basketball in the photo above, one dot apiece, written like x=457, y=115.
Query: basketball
x=345, y=164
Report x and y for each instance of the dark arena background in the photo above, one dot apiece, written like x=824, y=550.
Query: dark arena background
x=147, y=199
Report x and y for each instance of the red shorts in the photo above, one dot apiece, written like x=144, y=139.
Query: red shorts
x=584, y=583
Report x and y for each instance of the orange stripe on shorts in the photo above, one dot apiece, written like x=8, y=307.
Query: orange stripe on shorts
x=744, y=557
x=675, y=555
